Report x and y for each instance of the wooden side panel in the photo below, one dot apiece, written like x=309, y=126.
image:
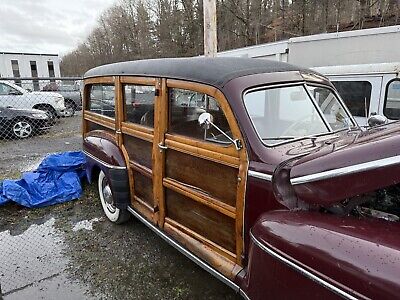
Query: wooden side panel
x=144, y=188
x=205, y=221
x=139, y=151
x=214, y=179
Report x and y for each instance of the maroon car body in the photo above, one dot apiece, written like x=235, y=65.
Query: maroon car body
x=317, y=221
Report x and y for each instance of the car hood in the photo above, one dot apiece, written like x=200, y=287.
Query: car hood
x=352, y=164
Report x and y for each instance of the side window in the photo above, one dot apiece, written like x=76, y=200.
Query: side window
x=185, y=109
x=7, y=90
x=102, y=99
x=392, y=100
x=139, y=104
x=356, y=95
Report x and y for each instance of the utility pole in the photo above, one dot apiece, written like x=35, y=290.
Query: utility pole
x=210, y=28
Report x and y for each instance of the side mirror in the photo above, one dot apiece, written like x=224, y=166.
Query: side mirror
x=375, y=120
x=206, y=121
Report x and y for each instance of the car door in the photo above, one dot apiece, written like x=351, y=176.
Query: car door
x=137, y=130
x=200, y=175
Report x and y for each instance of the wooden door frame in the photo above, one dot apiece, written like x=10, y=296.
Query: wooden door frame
x=224, y=155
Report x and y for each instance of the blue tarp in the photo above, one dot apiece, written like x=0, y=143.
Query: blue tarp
x=56, y=180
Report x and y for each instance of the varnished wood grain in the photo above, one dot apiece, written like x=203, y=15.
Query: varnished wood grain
x=198, y=217
x=139, y=151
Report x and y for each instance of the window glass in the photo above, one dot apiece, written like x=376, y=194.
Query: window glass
x=102, y=99
x=4, y=89
x=283, y=113
x=356, y=95
x=185, y=109
x=392, y=103
x=139, y=104
x=331, y=107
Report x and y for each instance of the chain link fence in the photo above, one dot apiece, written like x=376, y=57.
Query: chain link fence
x=38, y=116
x=32, y=106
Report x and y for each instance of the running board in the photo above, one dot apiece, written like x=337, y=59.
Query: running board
x=188, y=254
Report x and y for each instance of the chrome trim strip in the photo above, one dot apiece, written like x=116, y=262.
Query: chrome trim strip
x=347, y=170
x=185, y=252
x=260, y=175
x=107, y=165
x=303, y=271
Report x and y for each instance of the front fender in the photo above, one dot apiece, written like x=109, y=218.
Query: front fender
x=315, y=255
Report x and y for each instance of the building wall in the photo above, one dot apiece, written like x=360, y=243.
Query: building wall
x=24, y=64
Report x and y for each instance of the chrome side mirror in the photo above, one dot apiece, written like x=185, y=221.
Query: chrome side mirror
x=375, y=120
x=206, y=121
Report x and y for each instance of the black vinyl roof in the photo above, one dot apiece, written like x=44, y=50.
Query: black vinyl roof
x=213, y=71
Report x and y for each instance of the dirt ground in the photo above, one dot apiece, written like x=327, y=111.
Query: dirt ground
x=70, y=251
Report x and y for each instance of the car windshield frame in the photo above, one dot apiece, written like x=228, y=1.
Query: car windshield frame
x=305, y=85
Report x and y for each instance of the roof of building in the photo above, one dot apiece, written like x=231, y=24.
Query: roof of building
x=28, y=53
x=213, y=71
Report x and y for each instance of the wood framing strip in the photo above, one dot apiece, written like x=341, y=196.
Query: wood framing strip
x=226, y=150
x=203, y=153
x=141, y=169
x=145, y=204
x=100, y=80
x=129, y=129
x=206, y=253
x=143, y=209
x=200, y=197
x=138, y=80
x=199, y=237
x=158, y=155
x=119, y=112
x=99, y=119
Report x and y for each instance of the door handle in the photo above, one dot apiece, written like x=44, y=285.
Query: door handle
x=162, y=147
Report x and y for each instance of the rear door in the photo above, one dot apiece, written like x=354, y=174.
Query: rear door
x=201, y=175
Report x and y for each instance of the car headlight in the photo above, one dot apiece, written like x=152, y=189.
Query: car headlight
x=40, y=116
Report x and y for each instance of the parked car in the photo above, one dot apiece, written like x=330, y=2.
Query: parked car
x=71, y=93
x=270, y=185
x=367, y=89
x=12, y=95
x=22, y=123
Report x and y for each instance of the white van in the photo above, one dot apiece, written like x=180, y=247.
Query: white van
x=367, y=89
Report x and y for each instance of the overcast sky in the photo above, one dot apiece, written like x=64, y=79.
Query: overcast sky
x=47, y=26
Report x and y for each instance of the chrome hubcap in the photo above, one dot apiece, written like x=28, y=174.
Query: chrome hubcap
x=108, y=198
x=22, y=129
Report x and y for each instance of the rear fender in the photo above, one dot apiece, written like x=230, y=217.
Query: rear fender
x=103, y=153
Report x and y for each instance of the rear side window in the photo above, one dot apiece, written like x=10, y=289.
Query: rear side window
x=102, y=99
x=356, y=96
x=392, y=100
x=139, y=104
x=185, y=109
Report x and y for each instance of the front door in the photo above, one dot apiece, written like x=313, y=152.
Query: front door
x=202, y=174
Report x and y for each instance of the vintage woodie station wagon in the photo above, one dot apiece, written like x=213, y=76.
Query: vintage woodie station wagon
x=253, y=169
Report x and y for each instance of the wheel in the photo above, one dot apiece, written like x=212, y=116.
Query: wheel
x=22, y=129
x=69, y=109
x=50, y=111
x=113, y=213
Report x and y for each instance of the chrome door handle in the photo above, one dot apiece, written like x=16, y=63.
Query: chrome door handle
x=162, y=147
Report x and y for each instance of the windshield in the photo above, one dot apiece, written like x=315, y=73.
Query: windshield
x=330, y=106
x=284, y=113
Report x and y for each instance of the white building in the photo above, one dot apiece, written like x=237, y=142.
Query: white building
x=15, y=65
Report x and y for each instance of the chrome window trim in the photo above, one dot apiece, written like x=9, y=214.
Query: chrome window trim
x=303, y=271
x=107, y=165
x=259, y=175
x=186, y=252
x=384, y=162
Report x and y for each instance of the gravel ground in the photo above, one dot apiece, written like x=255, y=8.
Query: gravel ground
x=70, y=251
